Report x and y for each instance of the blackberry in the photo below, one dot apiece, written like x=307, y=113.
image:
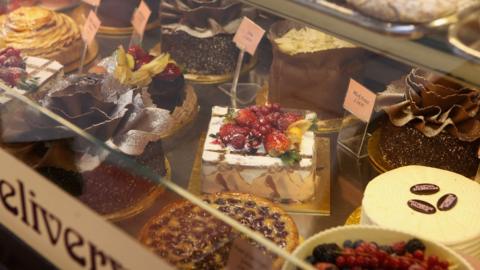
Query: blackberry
x=413, y=245
x=326, y=252
x=357, y=243
x=386, y=248
x=311, y=260
x=348, y=244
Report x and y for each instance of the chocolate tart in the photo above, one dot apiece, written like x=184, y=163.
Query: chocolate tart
x=190, y=238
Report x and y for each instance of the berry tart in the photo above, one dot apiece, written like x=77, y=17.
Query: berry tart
x=359, y=254
x=190, y=238
x=260, y=150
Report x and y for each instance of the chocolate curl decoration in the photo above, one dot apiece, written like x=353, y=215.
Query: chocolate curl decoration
x=197, y=14
x=435, y=104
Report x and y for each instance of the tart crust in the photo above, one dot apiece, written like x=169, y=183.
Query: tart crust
x=190, y=238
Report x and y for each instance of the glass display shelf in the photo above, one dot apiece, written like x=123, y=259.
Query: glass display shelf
x=346, y=176
x=429, y=48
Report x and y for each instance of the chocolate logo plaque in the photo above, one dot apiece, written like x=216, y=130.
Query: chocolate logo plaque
x=422, y=207
x=447, y=202
x=425, y=189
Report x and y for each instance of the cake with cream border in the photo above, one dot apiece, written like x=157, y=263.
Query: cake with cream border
x=225, y=168
x=436, y=204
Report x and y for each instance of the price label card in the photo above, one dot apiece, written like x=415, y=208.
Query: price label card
x=90, y=28
x=94, y=3
x=245, y=256
x=140, y=17
x=359, y=101
x=248, y=36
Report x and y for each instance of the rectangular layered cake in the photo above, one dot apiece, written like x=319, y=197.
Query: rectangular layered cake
x=41, y=75
x=227, y=167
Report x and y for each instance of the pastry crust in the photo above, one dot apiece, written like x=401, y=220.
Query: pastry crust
x=190, y=238
x=406, y=11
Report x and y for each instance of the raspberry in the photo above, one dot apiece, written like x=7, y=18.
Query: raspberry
x=286, y=120
x=238, y=141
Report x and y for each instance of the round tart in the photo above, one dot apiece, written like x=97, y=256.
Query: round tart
x=405, y=11
x=41, y=32
x=190, y=238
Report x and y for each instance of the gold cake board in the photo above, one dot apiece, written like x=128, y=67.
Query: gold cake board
x=144, y=203
x=92, y=53
x=211, y=79
x=320, y=205
x=354, y=218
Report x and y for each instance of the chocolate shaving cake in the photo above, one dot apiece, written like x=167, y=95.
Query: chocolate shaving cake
x=437, y=125
x=190, y=238
x=115, y=13
x=199, y=34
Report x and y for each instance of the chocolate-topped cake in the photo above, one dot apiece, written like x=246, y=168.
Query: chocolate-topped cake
x=198, y=34
x=437, y=125
x=115, y=13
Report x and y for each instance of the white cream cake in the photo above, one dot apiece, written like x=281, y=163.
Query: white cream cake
x=432, y=203
x=42, y=71
x=227, y=169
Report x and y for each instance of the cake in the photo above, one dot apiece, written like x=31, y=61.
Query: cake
x=43, y=33
x=275, y=159
x=406, y=11
x=199, y=34
x=431, y=203
x=436, y=125
x=123, y=12
x=167, y=87
x=189, y=237
x=308, y=63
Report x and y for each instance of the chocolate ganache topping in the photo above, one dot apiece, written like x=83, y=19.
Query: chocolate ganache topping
x=201, y=18
x=434, y=104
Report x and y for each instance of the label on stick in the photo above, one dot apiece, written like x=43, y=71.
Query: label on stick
x=359, y=101
x=140, y=18
x=248, y=36
x=90, y=28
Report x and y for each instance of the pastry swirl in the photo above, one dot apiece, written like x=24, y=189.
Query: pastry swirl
x=41, y=32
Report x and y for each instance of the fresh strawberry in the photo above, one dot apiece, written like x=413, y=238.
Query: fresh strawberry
x=137, y=52
x=228, y=130
x=170, y=73
x=276, y=143
x=287, y=119
x=245, y=117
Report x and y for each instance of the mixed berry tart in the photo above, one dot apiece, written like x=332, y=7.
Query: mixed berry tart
x=190, y=238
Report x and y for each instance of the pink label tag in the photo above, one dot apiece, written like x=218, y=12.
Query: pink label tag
x=90, y=28
x=245, y=256
x=140, y=17
x=248, y=36
x=359, y=101
x=94, y=3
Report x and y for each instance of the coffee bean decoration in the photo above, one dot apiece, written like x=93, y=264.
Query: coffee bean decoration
x=447, y=202
x=422, y=207
x=424, y=189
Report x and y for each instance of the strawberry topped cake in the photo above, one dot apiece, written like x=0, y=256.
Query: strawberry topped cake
x=261, y=150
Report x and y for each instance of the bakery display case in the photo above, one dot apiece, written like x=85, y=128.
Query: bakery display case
x=141, y=162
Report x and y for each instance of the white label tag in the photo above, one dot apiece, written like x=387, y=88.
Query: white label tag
x=62, y=229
